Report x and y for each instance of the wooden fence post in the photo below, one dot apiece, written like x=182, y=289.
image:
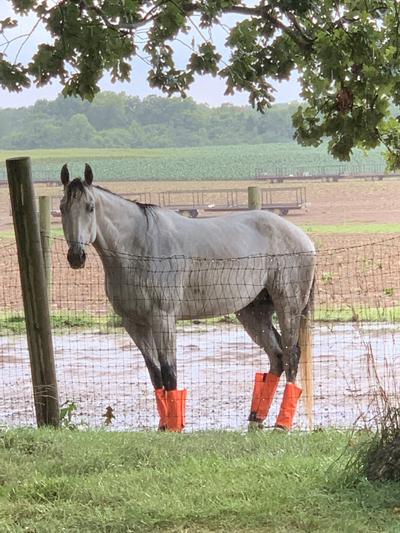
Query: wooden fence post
x=254, y=197
x=45, y=239
x=34, y=291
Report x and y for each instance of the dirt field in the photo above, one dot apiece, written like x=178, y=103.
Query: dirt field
x=328, y=203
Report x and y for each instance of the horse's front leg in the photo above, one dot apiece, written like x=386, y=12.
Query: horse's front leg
x=142, y=336
x=165, y=340
x=157, y=342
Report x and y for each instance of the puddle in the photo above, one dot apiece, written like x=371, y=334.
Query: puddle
x=216, y=365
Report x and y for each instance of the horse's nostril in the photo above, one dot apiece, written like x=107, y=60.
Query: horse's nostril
x=76, y=257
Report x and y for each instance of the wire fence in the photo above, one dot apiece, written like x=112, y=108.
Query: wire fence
x=356, y=343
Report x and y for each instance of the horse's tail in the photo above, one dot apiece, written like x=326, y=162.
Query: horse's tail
x=306, y=356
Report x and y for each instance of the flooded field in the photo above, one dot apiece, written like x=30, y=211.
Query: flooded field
x=216, y=363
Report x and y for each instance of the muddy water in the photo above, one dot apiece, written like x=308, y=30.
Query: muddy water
x=216, y=364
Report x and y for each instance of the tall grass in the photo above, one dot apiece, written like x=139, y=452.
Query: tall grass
x=378, y=458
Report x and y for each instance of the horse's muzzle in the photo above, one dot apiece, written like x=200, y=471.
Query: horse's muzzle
x=76, y=257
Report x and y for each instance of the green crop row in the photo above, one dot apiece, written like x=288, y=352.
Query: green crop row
x=203, y=163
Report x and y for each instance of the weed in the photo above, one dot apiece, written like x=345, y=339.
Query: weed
x=67, y=411
x=327, y=277
x=389, y=291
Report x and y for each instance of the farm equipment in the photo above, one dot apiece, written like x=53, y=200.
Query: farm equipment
x=194, y=203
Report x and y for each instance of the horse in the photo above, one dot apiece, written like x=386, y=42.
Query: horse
x=161, y=267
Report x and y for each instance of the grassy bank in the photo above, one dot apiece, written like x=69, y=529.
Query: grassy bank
x=119, y=482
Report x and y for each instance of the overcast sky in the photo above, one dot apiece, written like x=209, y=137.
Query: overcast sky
x=206, y=89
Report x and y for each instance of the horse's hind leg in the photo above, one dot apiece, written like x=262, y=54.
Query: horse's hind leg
x=257, y=321
x=289, y=321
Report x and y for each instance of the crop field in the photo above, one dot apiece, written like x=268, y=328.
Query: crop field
x=203, y=163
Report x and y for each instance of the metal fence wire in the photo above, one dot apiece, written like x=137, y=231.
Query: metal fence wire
x=356, y=341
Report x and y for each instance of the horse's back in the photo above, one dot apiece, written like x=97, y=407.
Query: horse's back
x=237, y=235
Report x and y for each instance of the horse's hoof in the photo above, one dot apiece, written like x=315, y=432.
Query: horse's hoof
x=255, y=426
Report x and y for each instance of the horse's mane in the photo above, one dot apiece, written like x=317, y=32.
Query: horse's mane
x=143, y=206
x=78, y=185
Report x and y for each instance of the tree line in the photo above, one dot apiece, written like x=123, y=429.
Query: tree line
x=117, y=120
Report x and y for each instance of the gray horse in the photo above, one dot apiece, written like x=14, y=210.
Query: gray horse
x=161, y=267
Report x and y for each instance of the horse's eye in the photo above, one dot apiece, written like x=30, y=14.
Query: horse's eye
x=90, y=208
x=62, y=209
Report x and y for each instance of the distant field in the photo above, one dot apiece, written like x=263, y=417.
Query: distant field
x=203, y=163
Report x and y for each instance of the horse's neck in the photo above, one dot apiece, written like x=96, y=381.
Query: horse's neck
x=120, y=226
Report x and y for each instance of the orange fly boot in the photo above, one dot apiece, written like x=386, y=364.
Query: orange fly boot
x=288, y=406
x=161, y=402
x=176, y=407
x=265, y=386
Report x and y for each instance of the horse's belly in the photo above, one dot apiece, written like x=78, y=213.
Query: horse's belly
x=211, y=302
x=197, y=289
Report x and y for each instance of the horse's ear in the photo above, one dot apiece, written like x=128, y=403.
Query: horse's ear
x=88, y=175
x=65, y=175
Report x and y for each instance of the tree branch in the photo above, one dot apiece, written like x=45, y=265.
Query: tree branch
x=28, y=35
x=243, y=10
x=296, y=24
x=264, y=11
x=124, y=28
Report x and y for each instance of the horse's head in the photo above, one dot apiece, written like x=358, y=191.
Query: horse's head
x=77, y=208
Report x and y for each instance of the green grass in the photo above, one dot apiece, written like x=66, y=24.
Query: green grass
x=64, y=321
x=199, y=163
x=54, y=481
x=358, y=314
x=9, y=235
x=61, y=322
x=85, y=153
x=366, y=228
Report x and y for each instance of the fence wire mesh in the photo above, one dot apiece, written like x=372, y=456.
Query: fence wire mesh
x=355, y=332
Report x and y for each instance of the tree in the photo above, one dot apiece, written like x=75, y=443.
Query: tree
x=347, y=55
x=110, y=110
x=79, y=131
x=155, y=121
